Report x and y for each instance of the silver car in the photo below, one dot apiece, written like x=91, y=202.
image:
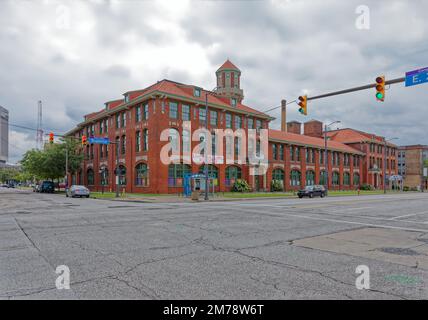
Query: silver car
x=77, y=191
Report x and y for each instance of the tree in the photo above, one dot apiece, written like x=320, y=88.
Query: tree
x=7, y=174
x=49, y=163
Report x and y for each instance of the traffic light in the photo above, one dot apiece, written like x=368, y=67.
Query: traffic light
x=380, y=88
x=303, y=105
x=51, y=137
x=84, y=141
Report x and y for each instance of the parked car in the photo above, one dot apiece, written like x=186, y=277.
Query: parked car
x=312, y=191
x=47, y=187
x=77, y=191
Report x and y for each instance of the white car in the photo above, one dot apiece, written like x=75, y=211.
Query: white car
x=77, y=191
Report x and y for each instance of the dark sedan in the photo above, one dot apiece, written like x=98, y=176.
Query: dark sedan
x=312, y=191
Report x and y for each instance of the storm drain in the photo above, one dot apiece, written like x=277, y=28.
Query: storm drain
x=400, y=251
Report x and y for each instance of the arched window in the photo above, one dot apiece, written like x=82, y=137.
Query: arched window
x=278, y=174
x=232, y=173
x=310, y=178
x=356, y=179
x=346, y=179
x=212, y=173
x=90, y=177
x=141, y=175
x=336, y=178
x=104, y=176
x=323, y=177
x=122, y=175
x=295, y=178
x=176, y=173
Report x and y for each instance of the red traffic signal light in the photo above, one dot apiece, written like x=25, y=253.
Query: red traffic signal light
x=84, y=140
x=303, y=105
x=51, y=137
x=380, y=88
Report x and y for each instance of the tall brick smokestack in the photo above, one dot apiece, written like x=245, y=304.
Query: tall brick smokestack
x=283, y=116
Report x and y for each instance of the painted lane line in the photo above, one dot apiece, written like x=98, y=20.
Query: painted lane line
x=409, y=215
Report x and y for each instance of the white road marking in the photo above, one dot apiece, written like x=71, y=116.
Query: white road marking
x=409, y=215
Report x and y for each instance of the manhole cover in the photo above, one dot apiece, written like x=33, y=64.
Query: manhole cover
x=399, y=251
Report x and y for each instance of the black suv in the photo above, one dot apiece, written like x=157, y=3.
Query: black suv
x=47, y=187
x=312, y=191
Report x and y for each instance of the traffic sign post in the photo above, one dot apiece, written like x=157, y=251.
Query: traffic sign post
x=416, y=77
x=98, y=140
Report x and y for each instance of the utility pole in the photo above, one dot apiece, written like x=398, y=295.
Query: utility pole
x=205, y=146
x=384, y=162
x=117, y=169
x=66, y=165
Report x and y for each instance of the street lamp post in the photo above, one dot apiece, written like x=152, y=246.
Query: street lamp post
x=384, y=162
x=326, y=153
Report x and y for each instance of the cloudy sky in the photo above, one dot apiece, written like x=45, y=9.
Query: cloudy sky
x=75, y=55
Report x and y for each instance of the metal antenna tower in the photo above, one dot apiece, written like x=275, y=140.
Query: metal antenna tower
x=39, y=137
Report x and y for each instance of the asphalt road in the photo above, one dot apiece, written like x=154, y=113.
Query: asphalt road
x=258, y=249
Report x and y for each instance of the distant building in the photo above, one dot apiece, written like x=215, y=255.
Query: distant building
x=4, y=135
x=411, y=161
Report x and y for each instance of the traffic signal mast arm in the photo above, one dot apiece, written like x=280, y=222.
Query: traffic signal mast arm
x=369, y=86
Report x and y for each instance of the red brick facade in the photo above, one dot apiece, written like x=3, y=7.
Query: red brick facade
x=136, y=123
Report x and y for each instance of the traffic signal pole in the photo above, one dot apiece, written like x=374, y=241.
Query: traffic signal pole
x=366, y=87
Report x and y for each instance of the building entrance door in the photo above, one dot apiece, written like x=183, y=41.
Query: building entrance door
x=257, y=183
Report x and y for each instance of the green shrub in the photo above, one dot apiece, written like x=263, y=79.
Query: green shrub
x=414, y=189
x=366, y=187
x=276, y=185
x=241, y=185
x=406, y=188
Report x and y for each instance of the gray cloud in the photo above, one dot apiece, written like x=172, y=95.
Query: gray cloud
x=281, y=47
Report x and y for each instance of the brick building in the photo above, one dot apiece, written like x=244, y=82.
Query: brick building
x=378, y=153
x=411, y=163
x=136, y=121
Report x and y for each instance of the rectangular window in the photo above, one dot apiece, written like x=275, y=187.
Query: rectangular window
x=146, y=111
x=297, y=154
x=101, y=126
x=281, y=152
x=137, y=113
x=228, y=121
x=274, y=153
x=123, y=124
x=117, y=121
x=145, y=139
x=292, y=153
x=173, y=110
x=213, y=118
x=233, y=102
x=138, y=141
x=258, y=124
x=238, y=122
x=197, y=92
x=185, y=112
x=202, y=114
x=250, y=123
x=106, y=125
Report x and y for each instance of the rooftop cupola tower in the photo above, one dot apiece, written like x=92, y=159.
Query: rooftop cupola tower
x=229, y=82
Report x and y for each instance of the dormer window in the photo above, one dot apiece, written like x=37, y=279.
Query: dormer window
x=197, y=92
x=233, y=102
x=126, y=98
